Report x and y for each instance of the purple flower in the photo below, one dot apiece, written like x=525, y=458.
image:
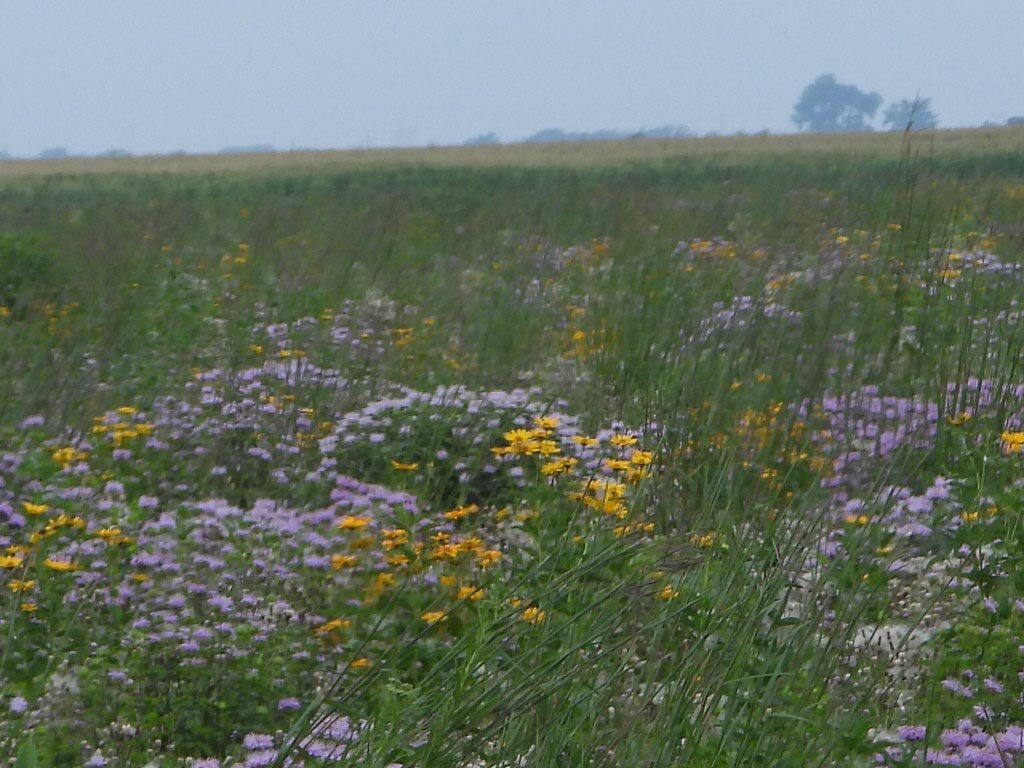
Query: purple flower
x=288, y=705
x=912, y=732
x=258, y=741
x=260, y=759
x=18, y=705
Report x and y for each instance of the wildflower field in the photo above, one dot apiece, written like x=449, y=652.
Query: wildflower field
x=653, y=459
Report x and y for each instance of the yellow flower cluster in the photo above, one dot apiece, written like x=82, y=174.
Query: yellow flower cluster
x=68, y=456
x=605, y=496
x=53, y=526
x=528, y=442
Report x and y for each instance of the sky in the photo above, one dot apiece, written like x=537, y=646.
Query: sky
x=158, y=76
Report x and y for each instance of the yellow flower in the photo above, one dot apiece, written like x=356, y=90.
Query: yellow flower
x=667, y=593
x=642, y=458
x=704, y=540
x=584, y=441
x=546, y=422
x=10, y=561
x=19, y=585
x=395, y=537
x=558, y=467
x=34, y=509
x=113, y=536
x=488, y=558
x=29, y=607
x=959, y=419
x=462, y=512
x=127, y=410
x=353, y=523
x=524, y=441
x=67, y=456
x=340, y=562
x=622, y=441
x=617, y=465
x=329, y=630
x=401, y=467
x=548, y=448
x=61, y=566
x=533, y=615
x=361, y=663
x=433, y=617
x=470, y=593
x=1013, y=442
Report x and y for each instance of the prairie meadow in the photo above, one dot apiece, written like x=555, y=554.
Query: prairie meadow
x=647, y=453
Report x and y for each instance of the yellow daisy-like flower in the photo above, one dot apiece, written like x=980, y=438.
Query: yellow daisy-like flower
x=433, y=617
x=622, y=441
x=332, y=626
x=520, y=436
x=470, y=593
x=341, y=562
x=462, y=512
x=488, y=558
x=61, y=566
x=34, y=509
x=1013, y=442
x=617, y=465
x=534, y=615
x=353, y=523
x=29, y=607
x=361, y=663
x=402, y=467
x=10, y=561
x=558, y=467
x=21, y=585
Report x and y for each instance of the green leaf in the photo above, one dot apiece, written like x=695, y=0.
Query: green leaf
x=28, y=757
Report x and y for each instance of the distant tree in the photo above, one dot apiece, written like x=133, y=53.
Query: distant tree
x=1015, y=120
x=483, y=138
x=667, y=132
x=248, y=149
x=913, y=113
x=826, y=106
x=53, y=153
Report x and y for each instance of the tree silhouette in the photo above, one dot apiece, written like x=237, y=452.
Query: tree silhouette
x=915, y=114
x=826, y=106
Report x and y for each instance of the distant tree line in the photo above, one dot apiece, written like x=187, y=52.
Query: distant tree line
x=554, y=135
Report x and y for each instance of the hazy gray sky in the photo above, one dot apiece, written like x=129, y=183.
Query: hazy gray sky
x=197, y=75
